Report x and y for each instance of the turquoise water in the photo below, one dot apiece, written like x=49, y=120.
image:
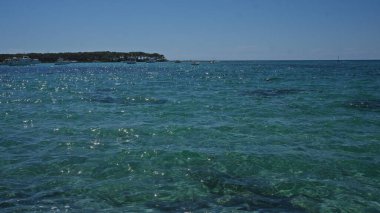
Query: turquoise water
x=281, y=136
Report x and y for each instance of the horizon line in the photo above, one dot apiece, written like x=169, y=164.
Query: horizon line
x=210, y=59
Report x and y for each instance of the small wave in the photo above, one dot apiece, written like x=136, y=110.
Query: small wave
x=364, y=104
x=272, y=92
x=138, y=100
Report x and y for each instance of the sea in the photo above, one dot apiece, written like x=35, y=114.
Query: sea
x=233, y=136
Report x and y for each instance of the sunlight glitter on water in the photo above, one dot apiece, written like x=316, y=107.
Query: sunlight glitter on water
x=231, y=136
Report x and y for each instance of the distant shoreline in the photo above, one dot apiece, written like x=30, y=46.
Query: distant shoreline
x=101, y=56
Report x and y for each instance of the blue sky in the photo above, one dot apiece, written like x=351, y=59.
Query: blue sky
x=196, y=29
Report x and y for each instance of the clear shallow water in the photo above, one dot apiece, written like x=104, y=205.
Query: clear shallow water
x=232, y=136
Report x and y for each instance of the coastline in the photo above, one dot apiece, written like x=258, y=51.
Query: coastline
x=101, y=56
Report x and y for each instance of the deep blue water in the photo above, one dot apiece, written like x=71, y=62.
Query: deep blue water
x=265, y=136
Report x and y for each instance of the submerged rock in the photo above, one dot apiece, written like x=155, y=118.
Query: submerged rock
x=249, y=194
x=222, y=183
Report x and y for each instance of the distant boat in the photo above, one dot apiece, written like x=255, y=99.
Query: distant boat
x=177, y=61
x=24, y=61
x=61, y=61
x=212, y=62
x=338, y=61
x=195, y=63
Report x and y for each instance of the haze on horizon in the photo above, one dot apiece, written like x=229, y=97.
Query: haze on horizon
x=199, y=30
